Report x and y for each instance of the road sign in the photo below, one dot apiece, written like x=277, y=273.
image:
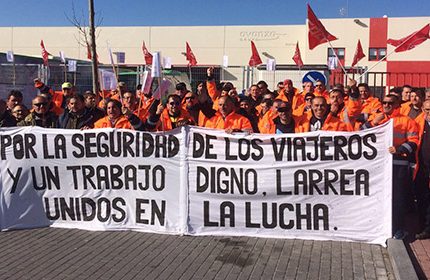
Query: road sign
x=313, y=76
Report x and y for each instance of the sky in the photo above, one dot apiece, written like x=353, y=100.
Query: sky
x=201, y=13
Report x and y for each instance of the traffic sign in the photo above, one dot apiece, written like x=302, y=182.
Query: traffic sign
x=313, y=76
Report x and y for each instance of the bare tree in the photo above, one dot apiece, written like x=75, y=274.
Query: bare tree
x=87, y=38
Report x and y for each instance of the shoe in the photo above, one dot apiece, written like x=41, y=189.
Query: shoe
x=422, y=235
x=400, y=234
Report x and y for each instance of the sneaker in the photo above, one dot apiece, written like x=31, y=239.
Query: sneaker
x=400, y=234
x=423, y=235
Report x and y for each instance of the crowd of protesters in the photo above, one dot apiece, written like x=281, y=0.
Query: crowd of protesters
x=287, y=109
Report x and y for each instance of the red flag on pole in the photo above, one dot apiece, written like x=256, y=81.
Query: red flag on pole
x=146, y=54
x=297, y=57
x=45, y=53
x=411, y=41
x=255, y=57
x=359, y=54
x=317, y=33
x=192, y=61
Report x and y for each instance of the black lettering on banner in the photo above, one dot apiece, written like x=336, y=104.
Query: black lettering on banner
x=362, y=179
x=248, y=215
x=102, y=147
x=148, y=145
x=158, y=169
x=274, y=216
x=227, y=212
x=339, y=142
x=315, y=156
x=228, y=155
x=76, y=139
x=198, y=145
x=372, y=138
x=357, y=140
x=315, y=177
x=344, y=181
x=209, y=146
x=49, y=178
x=320, y=213
x=282, y=216
x=146, y=169
x=224, y=180
x=157, y=213
x=206, y=215
x=15, y=178
x=279, y=190
x=58, y=145
x=127, y=141
x=85, y=209
x=74, y=170
x=161, y=146
x=328, y=182
x=278, y=150
x=324, y=148
x=115, y=146
x=244, y=148
x=173, y=146
x=256, y=146
x=299, y=146
x=23, y=146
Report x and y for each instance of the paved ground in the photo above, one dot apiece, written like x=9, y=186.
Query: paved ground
x=50, y=253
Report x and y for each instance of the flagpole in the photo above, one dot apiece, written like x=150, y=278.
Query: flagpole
x=14, y=72
x=65, y=72
x=191, y=78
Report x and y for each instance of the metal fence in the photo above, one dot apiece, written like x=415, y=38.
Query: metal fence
x=20, y=76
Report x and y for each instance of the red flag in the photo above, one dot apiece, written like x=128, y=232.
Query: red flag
x=146, y=54
x=192, y=61
x=411, y=41
x=297, y=57
x=317, y=33
x=255, y=57
x=359, y=54
x=45, y=53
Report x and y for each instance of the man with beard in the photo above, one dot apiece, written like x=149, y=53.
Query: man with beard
x=91, y=105
x=76, y=116
x=412, y=108
x=40, y=115
x=6, y=118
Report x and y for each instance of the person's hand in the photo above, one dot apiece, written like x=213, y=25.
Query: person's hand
x=160, y=109
x=352, y=83
x=182, y=123
x=392, y=150
x=126, y=111
x=334, y=107
x=86, y=127
x=229, y=130
x=378, y=118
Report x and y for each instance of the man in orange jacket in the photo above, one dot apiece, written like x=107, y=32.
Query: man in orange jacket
x=226, y=118
x=405, y=143
x=412, y=108
x=320, y=118
x=173, y=115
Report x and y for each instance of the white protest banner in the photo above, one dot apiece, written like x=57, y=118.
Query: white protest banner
x=9, y=56
x=62, y=57
x=167, y=62
x=159, y=92
x=72, y=65
x=107, y=80
x=146, y=81
x=320, y=185
x=96, y=179
x=156, y=65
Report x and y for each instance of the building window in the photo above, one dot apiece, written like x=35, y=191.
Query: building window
x=377, y=54
x=332, y=60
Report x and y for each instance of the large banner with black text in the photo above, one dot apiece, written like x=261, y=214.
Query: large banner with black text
x=318, y=185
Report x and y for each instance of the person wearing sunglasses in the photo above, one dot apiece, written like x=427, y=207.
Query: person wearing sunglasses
x=19, y=112
x=172, y=115
x=40, y=116
x=405, y=143
x=321, y=90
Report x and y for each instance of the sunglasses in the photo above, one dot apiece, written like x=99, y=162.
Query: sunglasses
x=283, y=109
x=40, y=104
x=308, y=99
x=318, y=85
x=189, y=98
x=174, y=103
x=387, y=103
